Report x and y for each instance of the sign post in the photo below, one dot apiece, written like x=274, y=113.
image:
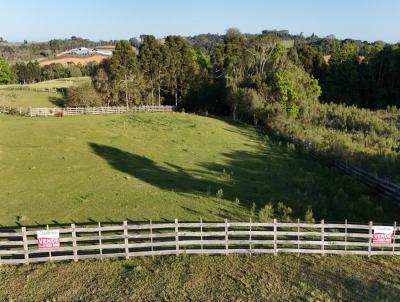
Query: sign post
x=382, y=235
x=48, y=239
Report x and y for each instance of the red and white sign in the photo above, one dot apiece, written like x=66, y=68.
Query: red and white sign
x=48, y=239
x=382, y=235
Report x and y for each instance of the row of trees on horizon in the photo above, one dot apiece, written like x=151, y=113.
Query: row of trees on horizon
x=205, y=72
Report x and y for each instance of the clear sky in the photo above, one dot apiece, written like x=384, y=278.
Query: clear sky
x=120, y=19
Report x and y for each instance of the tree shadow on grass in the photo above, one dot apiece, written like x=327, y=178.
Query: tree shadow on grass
x=57, y=101
x=264, y=175
x=171, y=177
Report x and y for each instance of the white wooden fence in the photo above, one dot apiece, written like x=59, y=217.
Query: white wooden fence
x=84, y=110
x=165, y=238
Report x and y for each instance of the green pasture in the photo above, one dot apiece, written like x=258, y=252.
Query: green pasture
x=164, y=166
x=207, y=278
x=40, y=94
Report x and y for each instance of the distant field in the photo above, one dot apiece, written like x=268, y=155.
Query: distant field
x=52, y=84
x=35, y=95
x=65, y=60
x=163, y=166
x=24, y=98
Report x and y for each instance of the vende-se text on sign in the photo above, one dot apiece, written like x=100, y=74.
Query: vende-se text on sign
x=48, y=239
x=382, y=235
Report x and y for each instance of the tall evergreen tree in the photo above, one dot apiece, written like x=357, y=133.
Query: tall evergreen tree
x=152, y=64
x=124, y=67
x=181, y=64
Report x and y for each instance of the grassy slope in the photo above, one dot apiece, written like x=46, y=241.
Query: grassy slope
x=16, y=98
x=161, y=166
x=24, y=99
x=217, y=278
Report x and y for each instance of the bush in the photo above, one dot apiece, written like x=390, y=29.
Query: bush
x=283, y=212
x=309, y=216
x=83, y=96
x=220, y=194
x=266, y=214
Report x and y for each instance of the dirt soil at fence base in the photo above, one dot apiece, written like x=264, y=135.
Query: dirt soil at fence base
x=207, y=278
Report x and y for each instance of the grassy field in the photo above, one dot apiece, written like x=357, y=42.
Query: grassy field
x=35, y=95
x=161, y=167
x=206, y=278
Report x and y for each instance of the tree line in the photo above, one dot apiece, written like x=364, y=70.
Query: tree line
x=354, y=74
x=33, y=72
x=238, y=77
x=218, y=74
x=195, y=72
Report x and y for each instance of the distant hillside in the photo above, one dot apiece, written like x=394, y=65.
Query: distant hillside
x=68, y=60
x=30, y=51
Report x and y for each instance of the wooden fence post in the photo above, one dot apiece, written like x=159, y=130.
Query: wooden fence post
x=47, y=228
x=322, y=237
x=394, y=237
x=298, y=237
x=250, y=238
x=275, y=239
x=151, y=238
x=126, y=239
x=201, y=234
x=370, y=239
x=345, y=236
x=25, y=243
x=100, y=241
x=226, y=237
x=176, y=237
x=74, y=245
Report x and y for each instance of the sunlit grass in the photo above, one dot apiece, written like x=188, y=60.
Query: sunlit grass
x=161, y=167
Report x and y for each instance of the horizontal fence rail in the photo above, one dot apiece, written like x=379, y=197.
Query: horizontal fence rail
x=84, y=110
x=125, y=240
x=383, y=186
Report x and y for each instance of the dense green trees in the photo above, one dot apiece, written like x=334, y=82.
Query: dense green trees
x=151, y=60
x=52, y=71
x=5, y=72
x=32, y=72
x=124, y=70
x=189, y=71
x=361, y=75
x=167, y=70
x=83, y=96
x=310, y=59
x=259, y=72
x=180, y=62
x=28, y=73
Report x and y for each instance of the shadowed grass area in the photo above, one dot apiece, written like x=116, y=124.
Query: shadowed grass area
x=161, y=167
x=207, y=278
